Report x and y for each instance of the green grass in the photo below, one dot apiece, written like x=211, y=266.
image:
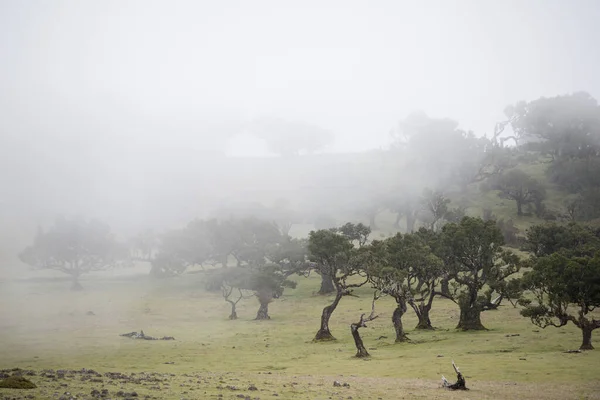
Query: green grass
x=46, y=326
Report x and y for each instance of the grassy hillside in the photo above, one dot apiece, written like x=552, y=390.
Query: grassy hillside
x=50, y=328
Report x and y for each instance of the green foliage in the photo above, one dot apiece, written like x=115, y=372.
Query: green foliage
x=477, y=262
x=331, y=250
x=355, y=232
x=566, y=289
x=573, y=238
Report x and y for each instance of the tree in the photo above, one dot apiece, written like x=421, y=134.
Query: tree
x=404, y=204
x=566, y=289
x=358, y=233
x=566, y=126
x=436, y=204
x=361, y=351
x=143, y=245
x=182, y=248
x=389, y=277
x=268, y=282
x=290, y=138
x=477, y=261
x=406, y=269
x=232, y=280
x=75, y=247
x=336, y=258
x=546, y=239
x=522, y=188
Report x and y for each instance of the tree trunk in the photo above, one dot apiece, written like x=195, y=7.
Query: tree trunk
x=76, y=286
x=233, y=314
x=422, y=311
x=410, y=222
x=327, y=285
x=519, y=207
x=397, y=321
x=446, y=286
x=361, y=352
x=372, y=223
x=470, y=317
x=587, y=338
x=323, y=332
x=263, y=311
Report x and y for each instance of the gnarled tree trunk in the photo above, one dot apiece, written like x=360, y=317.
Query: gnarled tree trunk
x=397, y=321
x=263, y=312
x=470, y=314
x=587, y=338
x=233, y=314
x=422, y=311
x=264, y=299
x=361, y=351
x=327, y=285
x=323, y=333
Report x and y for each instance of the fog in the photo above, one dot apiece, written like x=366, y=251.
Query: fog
x=140, y=113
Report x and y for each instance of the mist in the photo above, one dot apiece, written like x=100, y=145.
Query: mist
x=139, y=113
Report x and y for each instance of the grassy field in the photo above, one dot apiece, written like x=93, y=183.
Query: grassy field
x=45, y=326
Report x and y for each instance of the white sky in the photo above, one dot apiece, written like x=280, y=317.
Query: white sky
x=151, y=74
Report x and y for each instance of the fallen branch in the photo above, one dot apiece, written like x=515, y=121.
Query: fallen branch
x=460, y=380
x=141, y=335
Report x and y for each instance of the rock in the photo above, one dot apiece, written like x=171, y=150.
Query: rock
x=17, y=382
x=252, y=387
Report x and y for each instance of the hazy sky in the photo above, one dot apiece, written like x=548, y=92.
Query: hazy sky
x=154, y=75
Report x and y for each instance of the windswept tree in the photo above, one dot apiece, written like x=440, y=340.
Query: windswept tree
x=408, y=271
x=268, y=283
x=266, y=278
x=389, y=277
x=564, y=278
x=479, y=265
x=523, y=189
x=75, y=247
x=335, y=257
x=566, y=288
x=235, y=285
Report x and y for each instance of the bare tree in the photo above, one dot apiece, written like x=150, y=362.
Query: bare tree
x=361, y=351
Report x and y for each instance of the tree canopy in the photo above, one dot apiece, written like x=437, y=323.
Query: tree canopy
x=76, y=247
